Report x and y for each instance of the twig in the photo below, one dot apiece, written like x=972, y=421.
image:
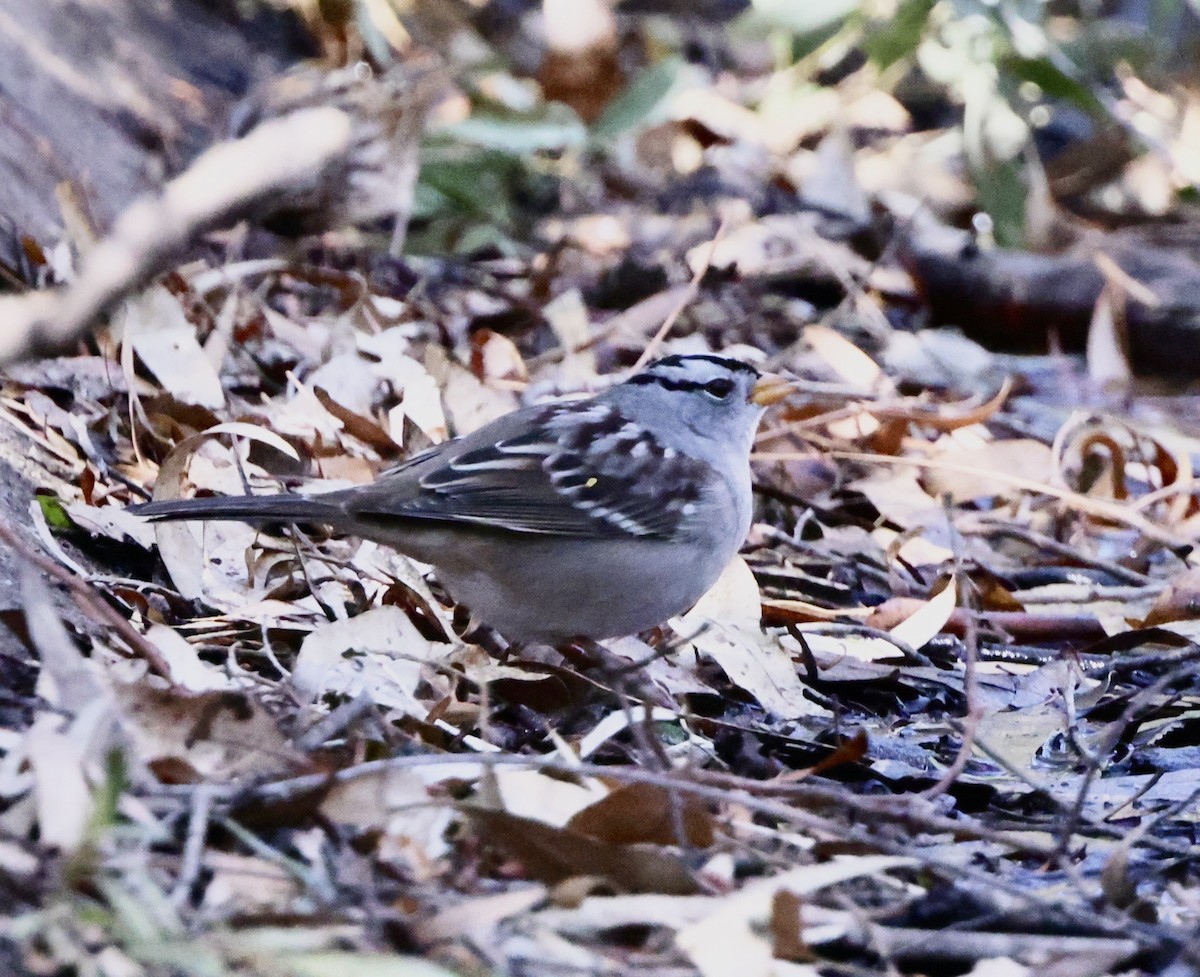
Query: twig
x=90, y=603
x=974, y=711
x=626, y=685
x=832, y=629
x=230, y=180
x=1097, y=508
x=1096, y=757
x=666, y=649
x=1097, y=828
x=1052, y=545
x=686, y=299
x=1084, y=594
x=716, y=787
x=339, y=719
x=193, y=846
x=1034, y=948
x=329, y=612
x=316, y=882
x=804, y=805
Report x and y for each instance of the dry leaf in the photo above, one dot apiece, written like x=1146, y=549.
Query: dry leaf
x=190, y=552
x=113, y=521
x=64, y=801
x=397, y=804
x=730, y=941
x=1179, y=602
x=379, y=652
x=155, y=325
x=969, y=478
x=215, y=735
x=187, y=670
x=726, y=624
x=549, y=854
x=648, y=814
x=531, y=794
x=1107, y=345
x=920, y=627
x=470, y=403
x=849, y=363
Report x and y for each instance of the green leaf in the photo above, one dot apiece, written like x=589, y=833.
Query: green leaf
x=635, y=105
x=429, y=201
x=553, y=128
x=1054, y=81
x=116, y=780
x=897, y=38
x=1001, y=192
x=481, y=237
x=479, y=184
x=52, y=510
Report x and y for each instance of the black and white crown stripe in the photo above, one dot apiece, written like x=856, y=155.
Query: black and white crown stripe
x=670, y=371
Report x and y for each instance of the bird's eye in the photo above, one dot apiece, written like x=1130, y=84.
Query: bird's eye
x=720, y=389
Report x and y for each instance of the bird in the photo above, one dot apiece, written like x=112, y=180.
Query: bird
x=584, y=519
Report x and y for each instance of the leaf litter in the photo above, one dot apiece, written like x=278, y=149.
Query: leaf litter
x=939, y=716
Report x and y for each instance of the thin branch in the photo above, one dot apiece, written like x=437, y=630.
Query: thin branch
x=684, y=301
x=90, y=602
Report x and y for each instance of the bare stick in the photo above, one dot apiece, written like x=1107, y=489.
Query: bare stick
x=230, y=181
x=974, y=711
x=685, y=300
x=89, y=602
x=193, y=846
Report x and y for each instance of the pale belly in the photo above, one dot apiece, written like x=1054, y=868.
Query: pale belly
x=550, y=591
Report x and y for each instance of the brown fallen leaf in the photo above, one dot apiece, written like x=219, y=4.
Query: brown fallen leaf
x=580, y=67
x=218, y=735
x=646, y=813
x=847, y=751
x=363, y=428
x=551, y=854
x=1179, y=602
x=948, y=417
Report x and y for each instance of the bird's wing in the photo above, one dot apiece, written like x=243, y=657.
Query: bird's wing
x=564, y=470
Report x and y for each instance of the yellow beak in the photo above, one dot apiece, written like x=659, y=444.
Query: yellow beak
x=770, y=389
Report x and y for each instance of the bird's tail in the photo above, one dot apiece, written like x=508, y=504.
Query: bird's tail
x=285, y=507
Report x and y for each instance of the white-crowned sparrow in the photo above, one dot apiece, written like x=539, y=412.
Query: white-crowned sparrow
x=592, y=518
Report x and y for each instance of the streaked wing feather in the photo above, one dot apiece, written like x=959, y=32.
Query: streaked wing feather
x=540, y=478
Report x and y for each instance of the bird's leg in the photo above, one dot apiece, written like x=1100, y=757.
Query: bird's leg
x=490, y=640
x=584, y=654
x=627, y=685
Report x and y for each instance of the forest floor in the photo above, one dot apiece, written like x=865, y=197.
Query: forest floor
x=942, y=715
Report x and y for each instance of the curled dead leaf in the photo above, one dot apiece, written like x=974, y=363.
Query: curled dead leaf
x=646, y=813
x=1179, y=602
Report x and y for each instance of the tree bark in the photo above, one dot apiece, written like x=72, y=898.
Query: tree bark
x=108, y=97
